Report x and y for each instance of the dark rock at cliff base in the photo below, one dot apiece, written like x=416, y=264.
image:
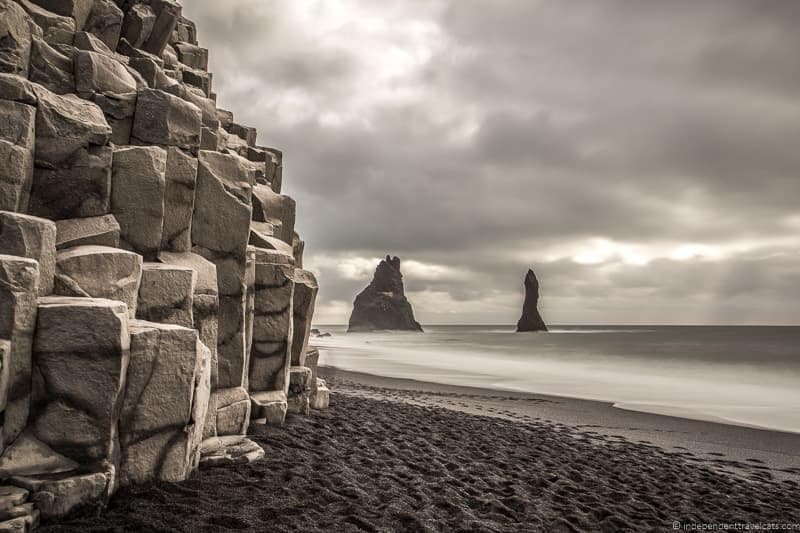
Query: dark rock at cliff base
x=383, y=304
x=531, y=320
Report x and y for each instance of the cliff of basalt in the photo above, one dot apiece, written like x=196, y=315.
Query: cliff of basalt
x=383, y=305
x=152, y=296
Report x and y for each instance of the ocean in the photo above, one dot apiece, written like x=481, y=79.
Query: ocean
x=747, y=375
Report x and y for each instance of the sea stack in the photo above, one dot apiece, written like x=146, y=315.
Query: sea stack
x=531, y=320
x=383, y=304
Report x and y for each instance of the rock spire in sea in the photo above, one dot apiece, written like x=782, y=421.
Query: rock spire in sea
x=383, y=305
x=531, y=320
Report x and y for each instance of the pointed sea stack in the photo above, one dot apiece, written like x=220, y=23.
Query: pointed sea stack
x=531, y=320
x=383, y=304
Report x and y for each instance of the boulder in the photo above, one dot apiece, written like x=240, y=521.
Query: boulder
x=232, y=406
x=76, y=9
x=192, y=55
x=270, y=356
x=138, y=24
x=51, y=68
x=56, y=29
x=166, y=294
x=269, y=206
x=147, y=69
x=531, y=320
x=181, y=180
x=99, y=272
x=137, y=197
x=11, y=496
x=98, y=73
x=383, y=304
x=269, y=255
x=305, y=294
x=29, y=456
x=19, y=286
x=105, y=21
x=31, y=237
x=298, y=398
x=101, y=231
x=57, y=496
x=157, y=425
x=229, y=450
x=77, y=190
x=17, y=140
x=76, y=413
x=205, y=300
x=16, y=35
x=66, y=125
x=16, y=89
x=268, y=407
x=165, y=119
x=321, y=396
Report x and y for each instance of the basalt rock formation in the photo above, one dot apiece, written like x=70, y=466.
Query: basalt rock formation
x=531, y=320
x=383, y=305
x=152, y=298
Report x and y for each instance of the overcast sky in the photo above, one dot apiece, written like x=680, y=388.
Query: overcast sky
x=642, y=156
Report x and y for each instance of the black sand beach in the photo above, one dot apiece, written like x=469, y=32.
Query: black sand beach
x=415, y=457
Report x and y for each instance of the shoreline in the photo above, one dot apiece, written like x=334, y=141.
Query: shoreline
x=731, y=446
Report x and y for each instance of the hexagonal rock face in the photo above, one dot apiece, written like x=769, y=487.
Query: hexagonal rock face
x=270, y=355
x=269, y=407
x=305, y=294
x=51, y=68
x=65, y=125
x=34, y=238
x=105, y=22
x=99, y=272
x=99, y=73
x=57, y=496
x=56, y=29
x=220, y=232
x=72, y=173
x=299, y=390
x=167, y=120
x=16, y=152
x=101, y=231
x=161, y=425
x=76, y=412
x=231, y=411
x=269, y=206
x=15, y=38
x=137, y=197
x=181, y=180
x=76, y=9
x=19, y=281
x=166, y=294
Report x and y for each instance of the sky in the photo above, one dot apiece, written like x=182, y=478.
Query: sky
x=643, y=157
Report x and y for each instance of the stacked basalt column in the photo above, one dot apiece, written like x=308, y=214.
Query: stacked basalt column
x=152, y=299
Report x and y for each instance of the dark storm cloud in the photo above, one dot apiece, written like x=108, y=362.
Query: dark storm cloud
x=597, y=139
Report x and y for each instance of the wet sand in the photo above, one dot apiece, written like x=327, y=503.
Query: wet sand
x=398, y=455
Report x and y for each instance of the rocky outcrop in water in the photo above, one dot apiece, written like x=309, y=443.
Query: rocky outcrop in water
x=152, y=298
x=383, y=305
x=531, y=320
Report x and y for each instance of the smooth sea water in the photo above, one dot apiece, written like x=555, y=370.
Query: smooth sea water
x=740, y=375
